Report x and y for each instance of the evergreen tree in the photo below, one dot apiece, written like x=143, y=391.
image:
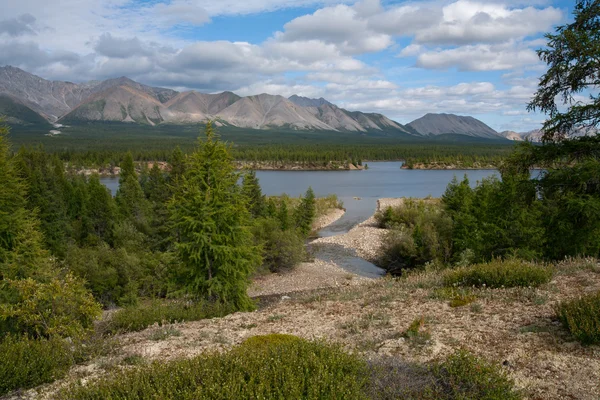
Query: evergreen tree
x=253, y=192
x=45, y=184
x=305, y=212
x=573, y=64
x=12, y=199
x=283, y=215
x=100, y=211
x=177, y=162
x=271, y=209
x=209, y=215
x=130, y=198
x=127, y=169
x=157, y=193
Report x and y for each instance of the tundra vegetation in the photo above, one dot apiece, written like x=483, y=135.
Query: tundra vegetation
x=182, y=244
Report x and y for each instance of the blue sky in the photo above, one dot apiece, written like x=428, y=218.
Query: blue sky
x=400, y=58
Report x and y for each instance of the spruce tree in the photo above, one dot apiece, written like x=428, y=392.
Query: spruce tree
x=177, y=162
x=12, y=199
x=127, y=168
x=130, y=198
x=157, y=193
x=271, y=208
x=100, y=211
x=253, y=192
x=283, y=216
x=305, y=212
x=210, y=219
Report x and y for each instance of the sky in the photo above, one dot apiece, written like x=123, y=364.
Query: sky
x=399, y=58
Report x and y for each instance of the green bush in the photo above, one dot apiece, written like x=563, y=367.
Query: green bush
x=30, y=362
x=582, y=318
x=117, y=276
x=420, y=232
x=499, y=273
x=464, y=376
x=281, y=250
x=259, y=369
x=137, y=318
x=60, y=307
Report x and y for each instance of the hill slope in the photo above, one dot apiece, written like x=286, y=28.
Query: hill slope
x=439, y=124
x=17, y=113
x=119, y=104
x=268, y=111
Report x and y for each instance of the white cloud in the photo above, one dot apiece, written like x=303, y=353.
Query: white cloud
x=465, y=22
x=481, y=57
x=340, y=25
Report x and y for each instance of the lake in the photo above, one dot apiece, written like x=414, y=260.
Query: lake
x=382, y=179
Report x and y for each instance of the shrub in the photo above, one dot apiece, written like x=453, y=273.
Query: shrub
x=137, y=318
x=281, y=250
x=269, y=368
x=499, y=273
x=416, y=332
x=420, y=233
x=117, y=276
x=60, y=307
x=464, y=376
x=30, y=362
x=582, y=318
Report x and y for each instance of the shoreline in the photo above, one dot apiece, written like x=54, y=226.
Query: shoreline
x=113, y=172
x=362, y=241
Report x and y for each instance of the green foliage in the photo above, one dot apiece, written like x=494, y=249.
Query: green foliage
x=12, y=199
x=281, y=249
x=100, y=212
x=139, y=317
x=463, y=376
x=572, y=57
x=582, y=318
x=61, y=307
x=210, y=222
x=30, y=362
x=499, y=273
x=304, y=213
x=416, y=332
x=117, y=276
x=252, y=191
x=283, y=215
x=131, y=202
x=497, y=218
x=271, y=368
x=420, y=233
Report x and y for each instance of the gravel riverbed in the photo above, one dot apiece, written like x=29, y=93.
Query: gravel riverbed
x=325, y=271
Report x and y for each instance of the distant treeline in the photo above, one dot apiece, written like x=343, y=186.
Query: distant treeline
x=458, y=154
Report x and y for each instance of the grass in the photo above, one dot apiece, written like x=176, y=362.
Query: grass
x=416, y=334
x=30, y=362
x=161, y=312
x=163, y=333
x=272, y=367
x=581, y=317
x=499, y=274
x=457, y=297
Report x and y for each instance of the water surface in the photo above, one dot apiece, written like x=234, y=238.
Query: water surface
x=358, y=190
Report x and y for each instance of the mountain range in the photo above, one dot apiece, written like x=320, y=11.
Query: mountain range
x=29, y=99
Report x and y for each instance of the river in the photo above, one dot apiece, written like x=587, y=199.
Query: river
x=359, y=190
